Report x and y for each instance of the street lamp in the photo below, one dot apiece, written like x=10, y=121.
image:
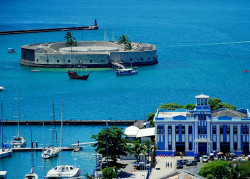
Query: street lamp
x=106, y=121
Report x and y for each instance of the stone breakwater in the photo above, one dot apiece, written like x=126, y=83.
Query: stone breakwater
x=92, y=54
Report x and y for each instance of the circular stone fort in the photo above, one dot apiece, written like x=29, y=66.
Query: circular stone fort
x=87, y=53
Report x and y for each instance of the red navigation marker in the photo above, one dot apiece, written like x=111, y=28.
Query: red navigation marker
x=95, y=23
x=245, y=70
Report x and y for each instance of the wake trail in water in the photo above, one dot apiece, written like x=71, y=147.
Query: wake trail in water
x=209, y=44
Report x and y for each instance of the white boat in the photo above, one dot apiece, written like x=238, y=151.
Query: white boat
x=126, y=71
x=4, y=152
x=35, y=70
x=1, y=88
x=32, y=174
x=52, y=151
x=11, y=50
x=63, y=171
x=19, y=141
x=3, y=174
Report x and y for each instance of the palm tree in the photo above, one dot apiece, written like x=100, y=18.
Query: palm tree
x=137, y=149
x=123, y=39
x=148, y=145
x=70, y=39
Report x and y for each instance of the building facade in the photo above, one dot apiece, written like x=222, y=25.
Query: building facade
x=201, y=131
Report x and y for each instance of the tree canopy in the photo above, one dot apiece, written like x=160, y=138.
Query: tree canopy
x=215, y=103
x=137, y=149
x=221, y=170
x=71, y=41
x=116, y=144
x=124, y=39
x=173, y=106
x=150, y=119
x=109, y=173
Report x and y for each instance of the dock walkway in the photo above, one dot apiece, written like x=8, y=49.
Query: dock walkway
x=48, y=30
x=70, y=122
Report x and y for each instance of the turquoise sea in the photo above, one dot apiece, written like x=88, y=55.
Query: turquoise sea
x=203, y=47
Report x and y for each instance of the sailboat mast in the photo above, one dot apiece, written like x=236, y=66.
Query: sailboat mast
x=2, y=121
x=62, y=133
x=53, y=128
x=43, y=138
x=18, y=112
x=32, y=154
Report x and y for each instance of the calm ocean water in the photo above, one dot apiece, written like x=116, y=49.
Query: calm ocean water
x=196, y=55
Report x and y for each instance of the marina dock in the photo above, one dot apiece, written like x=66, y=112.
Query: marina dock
x=48, y=30
x=70, y=122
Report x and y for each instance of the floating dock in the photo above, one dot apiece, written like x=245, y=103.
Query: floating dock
x=71, y=122
x=48, y=30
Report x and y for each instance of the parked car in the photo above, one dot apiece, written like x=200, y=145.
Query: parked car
x=197, y=158
x=204, y=159
x=191, y=163
x=184, y=161
x=179, y=165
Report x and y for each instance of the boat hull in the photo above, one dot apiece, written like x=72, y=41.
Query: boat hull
x=74, y=75
x=5, y=153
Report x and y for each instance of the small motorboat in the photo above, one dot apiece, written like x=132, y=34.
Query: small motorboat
x=31, y=175
x=77, y=149
x=3, y=174
x=126, y=71
x=11, y=50
x=35, y=70
x=74, y=75
x=51, y=152
x=1, y=88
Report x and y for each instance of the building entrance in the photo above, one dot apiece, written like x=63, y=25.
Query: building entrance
x=202, y=148
x=225, y=147
x=245, y=148
x=180, y=147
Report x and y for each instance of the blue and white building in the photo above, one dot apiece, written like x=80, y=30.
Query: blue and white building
x=201, y=130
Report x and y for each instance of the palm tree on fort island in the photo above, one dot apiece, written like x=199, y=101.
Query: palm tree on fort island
x=123, y=39
x=71, y=40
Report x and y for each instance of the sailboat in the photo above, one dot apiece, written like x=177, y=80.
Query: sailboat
x=52, y=151
x=19, y=141
x=4, y=152
x=31, y=175
x=63, y=171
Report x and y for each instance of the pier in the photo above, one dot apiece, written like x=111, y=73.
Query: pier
x=48, y=30
x=70, y=122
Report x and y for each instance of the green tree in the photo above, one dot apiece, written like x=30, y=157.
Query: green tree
x=169, y=106
x=88, y=176
x=109, y=173
x=190, y=106
x=150, y=119
x=229, y=106
x=71, y=41
x=215, y=103
x=128, y=46
x=148, y=146
x=221, y=170
x=117, y=144
x=137, y=149
x=124, y=39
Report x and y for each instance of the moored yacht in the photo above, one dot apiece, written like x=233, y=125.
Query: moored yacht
x=31, y=175
x=52, y=151
x=19, y=141
x=126, y=71
x=4, y=152
x=63, y=171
